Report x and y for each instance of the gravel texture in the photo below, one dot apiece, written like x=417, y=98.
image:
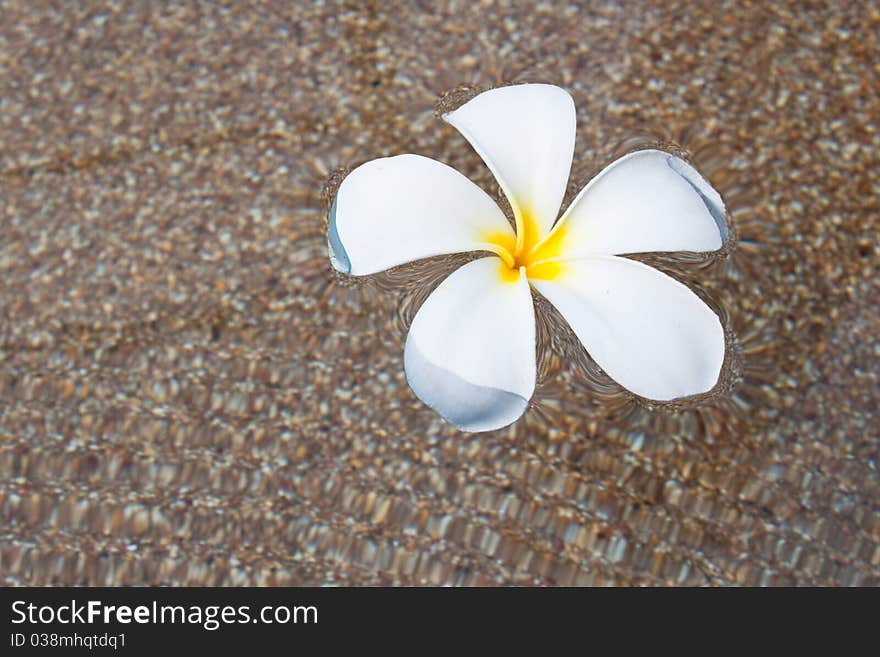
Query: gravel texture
x=189, y=395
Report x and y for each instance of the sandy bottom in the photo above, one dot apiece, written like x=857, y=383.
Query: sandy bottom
x=189, y=396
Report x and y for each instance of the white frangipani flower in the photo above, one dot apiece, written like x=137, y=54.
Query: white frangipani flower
x=470, y=352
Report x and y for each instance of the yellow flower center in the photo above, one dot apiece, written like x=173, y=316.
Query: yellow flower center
x=541, y=257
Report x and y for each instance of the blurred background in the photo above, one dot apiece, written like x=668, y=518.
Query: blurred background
x=190, y=396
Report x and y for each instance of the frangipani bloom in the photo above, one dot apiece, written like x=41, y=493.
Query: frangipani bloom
x=470, y=352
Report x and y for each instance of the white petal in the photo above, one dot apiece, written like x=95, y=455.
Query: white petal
x=525, y=135
x=470, y=353
x=645, y=201
x=399, y=209
x=647, y=331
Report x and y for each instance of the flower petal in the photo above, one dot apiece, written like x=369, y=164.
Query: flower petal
x=525, y=135
x=399, y=209
x=647, y=331
x=470, y=353
x=645, y=201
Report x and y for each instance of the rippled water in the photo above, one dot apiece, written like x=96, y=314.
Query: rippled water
x=190, y=395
